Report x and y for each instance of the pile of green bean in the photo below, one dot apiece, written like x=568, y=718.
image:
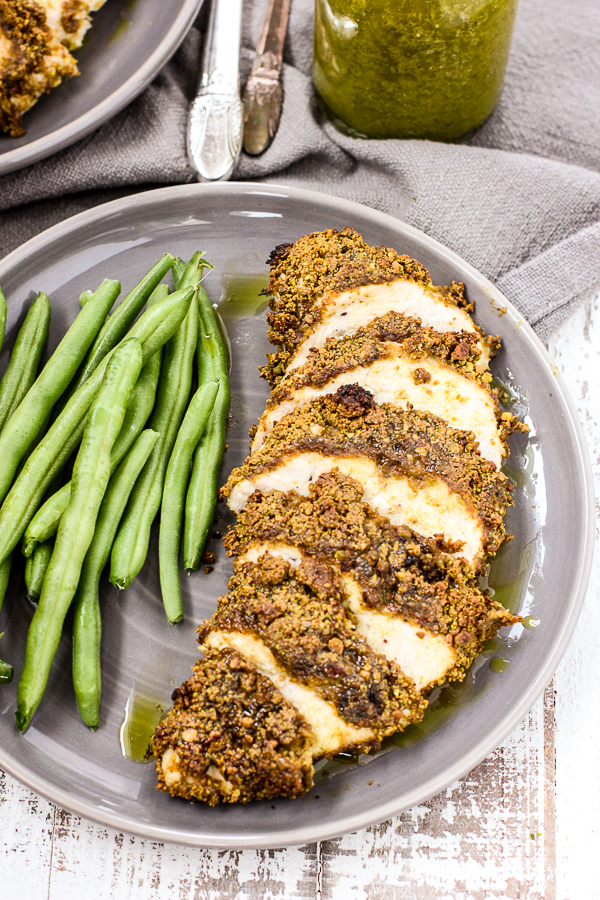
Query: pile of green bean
x=113, y=401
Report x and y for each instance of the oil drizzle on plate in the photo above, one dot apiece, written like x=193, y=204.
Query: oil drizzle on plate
x=147, y=705
x=124, y=22
x=142, y=715
x=499, y=664
x=443, y=702
x=241, y=297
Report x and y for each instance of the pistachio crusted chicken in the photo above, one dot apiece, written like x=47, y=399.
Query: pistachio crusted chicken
x=410, y=597
x=402, y=363
x=36, y=37
x=330, y=283
x=367, y=509
x=412, y=467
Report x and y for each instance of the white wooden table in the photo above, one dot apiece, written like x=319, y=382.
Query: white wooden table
x=523, y=824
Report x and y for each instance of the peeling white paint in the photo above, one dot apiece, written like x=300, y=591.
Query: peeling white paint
x=576, y=351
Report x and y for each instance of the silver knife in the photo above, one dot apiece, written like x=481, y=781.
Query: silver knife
x=216, y=117
x=263, y=94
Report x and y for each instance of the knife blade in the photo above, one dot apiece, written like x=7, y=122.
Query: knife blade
x=263, y=94
x=215, y=123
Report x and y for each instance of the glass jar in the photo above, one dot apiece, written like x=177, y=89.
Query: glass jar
x=411, y=68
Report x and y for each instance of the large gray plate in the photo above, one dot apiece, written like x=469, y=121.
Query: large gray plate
x=128, y=44
x=546, y=566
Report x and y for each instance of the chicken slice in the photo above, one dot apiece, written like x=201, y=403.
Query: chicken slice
x=413, y=468
x=231, y=736
x=291, y=625
x=431, y=372
x=462, y=403
x=35, y=39
x=330, y=283
x=345, y=313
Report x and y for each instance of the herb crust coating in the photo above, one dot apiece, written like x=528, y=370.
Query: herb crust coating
x=299, y=615
x=329, y=262
x=403, y=442
x=234, y=735
x=398, y=571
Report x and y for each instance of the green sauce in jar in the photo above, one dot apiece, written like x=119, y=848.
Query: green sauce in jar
x=411, y=68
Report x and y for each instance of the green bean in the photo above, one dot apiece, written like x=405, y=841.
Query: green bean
x=35, y=569
x=84, y=297
x=91, y=473
x=33, y=482
x=203, y=490
x=179, y=267
x=139, y=408
x=131, y=543
x=45, y=522
x=24, y=425
x=173, y=498
x=153, y=329
x=159, y=293
x=6, y=671
x=4, y=576
x=87, y=623
x=118, y=324
x=161, y=321
x=143, y=395
x=3, y=312
x=22, y=368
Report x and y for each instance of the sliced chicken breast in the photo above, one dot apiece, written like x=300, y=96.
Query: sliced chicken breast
x=426, y=385
x=425, y=657
x=413, y=468
x=367, y=509
x=329, y=284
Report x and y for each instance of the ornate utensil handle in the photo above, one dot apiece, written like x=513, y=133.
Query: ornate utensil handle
x=263, y=93
x=215, y=123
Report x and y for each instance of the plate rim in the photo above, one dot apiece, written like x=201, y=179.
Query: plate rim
x=51, y=143
x=317, y=832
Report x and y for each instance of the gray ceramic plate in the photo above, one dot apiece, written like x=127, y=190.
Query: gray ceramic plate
x=543, y=572
x=128, y=44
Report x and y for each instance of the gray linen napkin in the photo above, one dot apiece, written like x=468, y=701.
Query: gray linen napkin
x=520, y=200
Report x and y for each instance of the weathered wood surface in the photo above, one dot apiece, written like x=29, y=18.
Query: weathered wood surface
x=523, y=824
